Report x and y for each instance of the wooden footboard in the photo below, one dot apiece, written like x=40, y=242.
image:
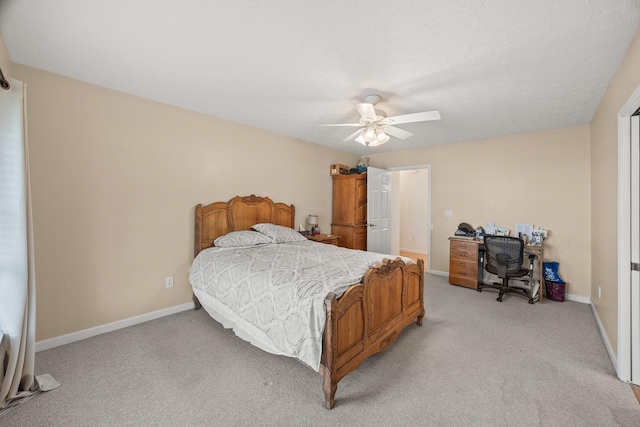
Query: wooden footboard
x=368, y=318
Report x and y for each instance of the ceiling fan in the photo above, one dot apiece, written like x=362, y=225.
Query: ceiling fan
x=377, y=127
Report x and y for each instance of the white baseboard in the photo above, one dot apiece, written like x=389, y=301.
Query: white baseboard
x=110, y=327
x=605, y=338
x=439, y=273
x=578, y=298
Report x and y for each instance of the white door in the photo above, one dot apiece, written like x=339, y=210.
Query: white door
x=378, y=210
x=635, y=250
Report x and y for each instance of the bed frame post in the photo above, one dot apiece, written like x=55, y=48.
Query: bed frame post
x=421, y=267
x=197, y=247
x=329, y=384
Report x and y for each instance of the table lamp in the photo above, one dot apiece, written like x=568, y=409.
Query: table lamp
x=312, y=220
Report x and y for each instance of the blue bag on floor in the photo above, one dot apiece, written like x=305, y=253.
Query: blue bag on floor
x=551, y=272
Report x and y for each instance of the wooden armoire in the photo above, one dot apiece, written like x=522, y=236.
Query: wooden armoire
x=349, y=218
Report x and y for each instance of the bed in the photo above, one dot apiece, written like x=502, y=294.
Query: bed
x=351, y=313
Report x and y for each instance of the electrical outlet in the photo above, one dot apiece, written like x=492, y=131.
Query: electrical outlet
x=448, y=214
x=599, y=291
x=168, y=282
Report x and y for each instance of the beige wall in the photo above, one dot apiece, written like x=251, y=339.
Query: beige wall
x=540, y=178
x=5, y=61
x=115, y=179
x=604, y=182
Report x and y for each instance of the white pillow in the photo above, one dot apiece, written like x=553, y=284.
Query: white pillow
x=278, y=233
x=237, y=239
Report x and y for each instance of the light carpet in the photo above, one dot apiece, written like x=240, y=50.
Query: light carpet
x=474, y=362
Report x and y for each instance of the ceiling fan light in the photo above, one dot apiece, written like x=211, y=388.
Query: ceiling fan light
x=361, y=140
x=370, y=135
x=382, y=138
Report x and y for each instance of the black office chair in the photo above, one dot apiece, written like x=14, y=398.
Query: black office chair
x=503, y=257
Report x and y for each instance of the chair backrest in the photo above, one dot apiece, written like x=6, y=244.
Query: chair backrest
x=504, y=253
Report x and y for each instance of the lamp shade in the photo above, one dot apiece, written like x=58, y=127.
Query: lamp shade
x=369, y=135
x=381, y=139
x=312, y=220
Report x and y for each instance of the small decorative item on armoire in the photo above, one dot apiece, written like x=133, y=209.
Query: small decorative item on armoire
x=338, y=169
x=363, y=164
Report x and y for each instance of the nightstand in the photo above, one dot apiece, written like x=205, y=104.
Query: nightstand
x=329, y=239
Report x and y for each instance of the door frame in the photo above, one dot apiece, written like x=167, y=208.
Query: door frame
x=624, y=239
x=428, y=168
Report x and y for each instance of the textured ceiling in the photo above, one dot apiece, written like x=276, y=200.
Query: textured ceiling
x=491, y=67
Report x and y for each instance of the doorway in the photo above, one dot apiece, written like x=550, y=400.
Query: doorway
x=628, y=366
x=411, y=212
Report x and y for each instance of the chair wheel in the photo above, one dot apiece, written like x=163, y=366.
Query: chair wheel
x=530, y=301
x=479, y=289
x=499, y=299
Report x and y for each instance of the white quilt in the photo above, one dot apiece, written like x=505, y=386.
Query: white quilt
x=280, y=288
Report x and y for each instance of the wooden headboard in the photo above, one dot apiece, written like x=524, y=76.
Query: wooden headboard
x=239, y=213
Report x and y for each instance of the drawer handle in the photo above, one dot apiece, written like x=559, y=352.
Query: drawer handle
x=463, y=264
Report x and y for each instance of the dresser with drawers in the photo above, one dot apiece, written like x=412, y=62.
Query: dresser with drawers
x=465, y=262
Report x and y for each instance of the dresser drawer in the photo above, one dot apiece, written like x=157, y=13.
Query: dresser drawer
x=463, y=267
x=464, y=250
x=463, y=273
x=468, y=282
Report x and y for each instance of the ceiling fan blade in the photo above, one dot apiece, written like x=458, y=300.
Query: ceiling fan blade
x=397, y=132
x=367, y=111
x=343, y=124
x=353, y=135
x=413, y=117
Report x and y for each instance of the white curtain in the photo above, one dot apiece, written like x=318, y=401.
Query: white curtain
x=17, y=273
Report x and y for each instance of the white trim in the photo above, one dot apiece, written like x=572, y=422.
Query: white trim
x=624, y=242
x=578, y=298
x=110, y=327
x=439, y=273
x=605, y=338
